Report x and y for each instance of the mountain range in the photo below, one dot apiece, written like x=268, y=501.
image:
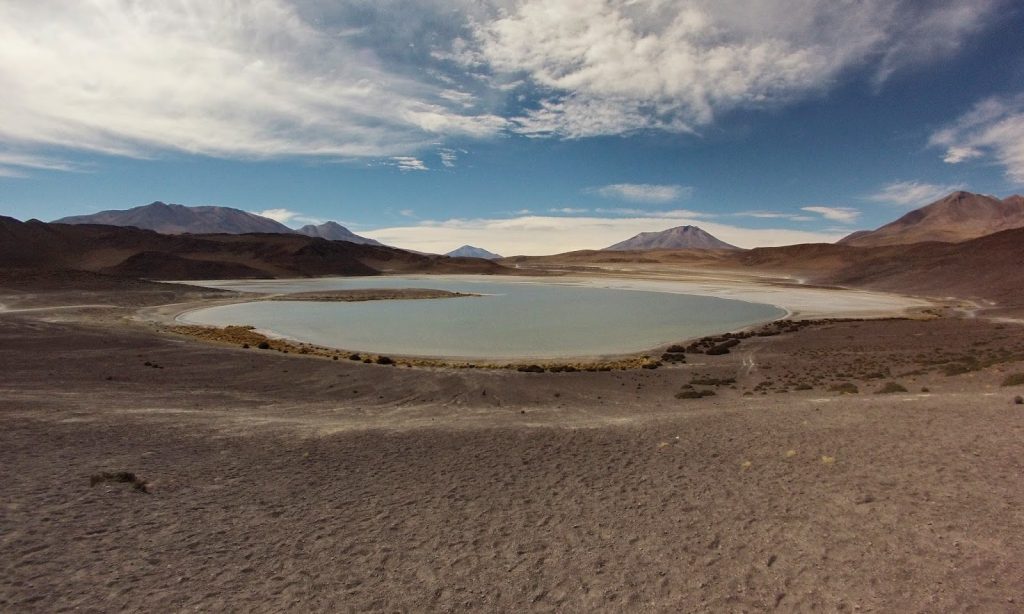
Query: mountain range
x=174, y=219
x=468, y=251
x=680, y=237
x=128, y=252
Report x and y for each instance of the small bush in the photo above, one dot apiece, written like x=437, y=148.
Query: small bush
x=690, y=393
x=675, y=349
x=844, y=388
x=890, y=388
x=384, y=360
x=122, y=477
x=1014, y=379
x=712, y=381
x=354, y=357
x=531, y=369
x=263, y=345
x=1018, y=400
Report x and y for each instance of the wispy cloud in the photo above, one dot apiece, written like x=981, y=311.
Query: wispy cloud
x=409, y=163
x=774, y=215
x=644, y=192
x=448, y=157
x=911, y=193
x=618, y=66
x=994, y=127
x=18, y=165
x=407, y=213
x=674, y=213
x=536, y=235
x=567, y=210
x=287, y=216
x=246, y=79
x=847, y=215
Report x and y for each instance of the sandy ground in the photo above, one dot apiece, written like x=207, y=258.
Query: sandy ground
x=280, y=482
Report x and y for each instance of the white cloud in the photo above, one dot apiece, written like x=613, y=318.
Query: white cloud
x=287, y=216
x=847, y=215
x=911, y=193
x=409, y=163
x=567, y=210
x=626, y=211
x=538, y=235
x=17, y=165
x=407, y=213
x=448, y=157
x=995, y=127
x=775, y=215
x=616, y=66
x=956, y=154
x=248, y=78
x=644, y=192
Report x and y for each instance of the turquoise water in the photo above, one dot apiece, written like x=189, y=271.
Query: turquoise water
x=514, y=319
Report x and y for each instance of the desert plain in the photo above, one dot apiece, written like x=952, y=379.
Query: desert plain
x=835, y=462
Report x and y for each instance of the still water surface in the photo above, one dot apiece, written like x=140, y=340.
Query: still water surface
x=514, y=318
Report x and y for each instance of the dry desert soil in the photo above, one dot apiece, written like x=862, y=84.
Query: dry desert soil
x=272, y=482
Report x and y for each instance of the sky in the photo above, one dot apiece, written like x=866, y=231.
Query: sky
x=519, y=126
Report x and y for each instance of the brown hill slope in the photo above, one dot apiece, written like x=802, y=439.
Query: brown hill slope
x=143, y=253
x=961, y=216
x=990, y=267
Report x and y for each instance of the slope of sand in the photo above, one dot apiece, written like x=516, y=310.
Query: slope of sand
x=278, y=482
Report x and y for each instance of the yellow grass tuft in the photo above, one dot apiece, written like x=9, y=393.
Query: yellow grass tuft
x=828, y=460
x=746, y=465
x=790, y=453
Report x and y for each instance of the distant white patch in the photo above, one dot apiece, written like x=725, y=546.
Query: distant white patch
x=644, y=192
x=847, y=215
x=994, y=126
x=408, y=163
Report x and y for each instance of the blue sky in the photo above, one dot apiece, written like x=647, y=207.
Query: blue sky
x=528, y=126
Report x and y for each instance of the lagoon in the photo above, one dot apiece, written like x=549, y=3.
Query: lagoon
x=513, y=319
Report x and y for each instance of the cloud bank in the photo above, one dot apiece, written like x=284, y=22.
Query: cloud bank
x=384, y=79
x=541, y=235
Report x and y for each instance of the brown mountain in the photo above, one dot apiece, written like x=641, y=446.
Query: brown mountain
x=179, y=219
x=958, y=217
x=333, y=231
x=989, y=268
x=680, y=237
x=133, y=252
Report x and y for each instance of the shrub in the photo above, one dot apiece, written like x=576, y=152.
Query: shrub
x=123, y=477
x=712, y=381
x=531, y=369
x=384, y=360
x=890, y=388
x=263, y=345
x=1014, y=379
x=690, y=393
x=844, y=388
x=1019, y=400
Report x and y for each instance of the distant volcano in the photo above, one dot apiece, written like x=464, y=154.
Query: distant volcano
x=468, y=251
x=680, y=237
